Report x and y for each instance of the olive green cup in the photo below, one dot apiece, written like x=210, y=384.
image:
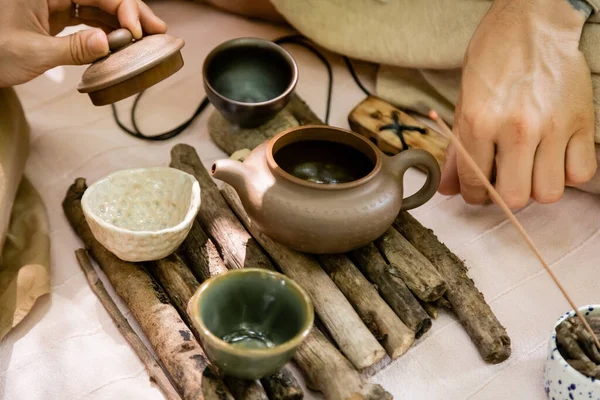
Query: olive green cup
x=251, y=321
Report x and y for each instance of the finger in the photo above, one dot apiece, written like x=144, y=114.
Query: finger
x=150, y=22
x=92, y=23
x=549, y=171
x=96, y=14
x=127, y=11
x=514, y=163
x=482, y=150
x=449, y=184
x=80, y=48
x=581, y=163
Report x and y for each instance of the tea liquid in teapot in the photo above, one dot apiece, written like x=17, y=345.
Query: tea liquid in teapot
x=323, y=162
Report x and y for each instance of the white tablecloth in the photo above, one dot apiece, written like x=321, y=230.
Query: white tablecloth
x=68, y=348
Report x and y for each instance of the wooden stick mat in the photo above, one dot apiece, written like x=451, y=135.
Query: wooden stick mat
x=371, y=305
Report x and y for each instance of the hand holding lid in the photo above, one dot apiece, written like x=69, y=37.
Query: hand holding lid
x=131, y=67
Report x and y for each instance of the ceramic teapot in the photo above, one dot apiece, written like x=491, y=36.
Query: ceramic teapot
x=319, y=189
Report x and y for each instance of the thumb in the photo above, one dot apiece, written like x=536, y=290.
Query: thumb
x=82, y=47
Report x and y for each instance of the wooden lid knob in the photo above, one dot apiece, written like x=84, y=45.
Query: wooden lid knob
x=118, y=39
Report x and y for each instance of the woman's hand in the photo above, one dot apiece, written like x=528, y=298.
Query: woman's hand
x=525, y=112
x=29, y=47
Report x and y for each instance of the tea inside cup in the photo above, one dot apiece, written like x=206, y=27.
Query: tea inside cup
x=249, y=80
x=251, y=321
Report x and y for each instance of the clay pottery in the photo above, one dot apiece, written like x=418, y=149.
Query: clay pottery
x=142, y=214
x=131, y=67
x=561, y=380
x=320, y=189
x=251, y=321
x=249, y=80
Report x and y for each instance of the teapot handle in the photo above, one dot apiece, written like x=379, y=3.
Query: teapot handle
x=421, y=158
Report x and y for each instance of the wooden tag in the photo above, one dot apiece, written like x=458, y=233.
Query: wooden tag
x=386, y=126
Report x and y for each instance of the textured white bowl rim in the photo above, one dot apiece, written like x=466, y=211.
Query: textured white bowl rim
x=189, y=216
x=558, y=357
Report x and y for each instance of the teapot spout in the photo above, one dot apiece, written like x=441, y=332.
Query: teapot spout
x=234, y=173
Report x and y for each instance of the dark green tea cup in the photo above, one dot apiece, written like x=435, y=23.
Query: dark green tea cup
x=251, y=321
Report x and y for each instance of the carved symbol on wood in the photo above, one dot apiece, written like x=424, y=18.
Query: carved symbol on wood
x=399, y=129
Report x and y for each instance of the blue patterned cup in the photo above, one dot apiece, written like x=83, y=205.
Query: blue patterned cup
x=561, y=380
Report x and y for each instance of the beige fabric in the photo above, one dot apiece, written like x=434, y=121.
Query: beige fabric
x=24, y=238
x=419, y=44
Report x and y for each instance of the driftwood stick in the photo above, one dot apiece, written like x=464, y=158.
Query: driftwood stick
x=442, y=302
x=333, y=374
x=235, y=245
x=243, y=389
x=393, y=289
x=476, y=316
x=412, y=267
x=430, y=308
x=177, y=280
x=395, y=337
x=180, y=284
x=200, y=254
x=282, y=386
x=171, y=339
x=585, y=367
x=155, y=371
x=342, y=322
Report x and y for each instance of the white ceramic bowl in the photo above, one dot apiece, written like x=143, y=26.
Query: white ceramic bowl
x=561, y=381
x=142, y=214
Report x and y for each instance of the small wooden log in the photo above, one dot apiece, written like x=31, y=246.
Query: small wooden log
x=567, y=342
x=155, y=371
x=443, y=302
x=170, y=338
x=373, y=113
x=177, y=280
x=200, y=254
x=572, y=337
x=342, y=322
x=430, y=308
x=585, y=367
x=243, y=389
x=594, y=321
x=476, y=316
x=392, y=289
x=412, y=267
x=387, y=328
x=235, y=245
x=332, y=374
x=283, y=386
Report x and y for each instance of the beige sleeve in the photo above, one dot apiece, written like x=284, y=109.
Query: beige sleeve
x=14, y=147
x=24, y=232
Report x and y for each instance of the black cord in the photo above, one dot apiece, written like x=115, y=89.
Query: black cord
x=353, y=73
x=293, y=39
x=162, y=136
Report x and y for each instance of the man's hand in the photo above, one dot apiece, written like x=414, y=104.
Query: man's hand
x=28, y=46
x=525, y=112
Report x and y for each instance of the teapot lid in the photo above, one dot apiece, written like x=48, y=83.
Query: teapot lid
x=131, y=66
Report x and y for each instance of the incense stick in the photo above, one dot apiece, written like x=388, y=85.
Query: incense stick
x=498, y=200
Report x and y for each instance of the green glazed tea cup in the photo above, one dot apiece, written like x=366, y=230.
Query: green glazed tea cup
x=251, y=321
